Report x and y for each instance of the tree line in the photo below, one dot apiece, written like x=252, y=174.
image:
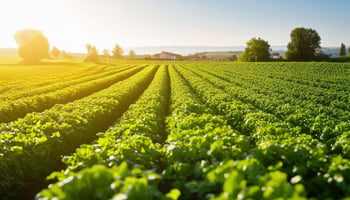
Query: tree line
x=34, y=46
x=304, y=46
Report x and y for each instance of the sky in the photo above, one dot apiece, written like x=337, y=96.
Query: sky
x=71, y=24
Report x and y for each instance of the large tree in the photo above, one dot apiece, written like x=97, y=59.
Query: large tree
x=342, y=50
x=257, y=50
x=303, y=44
x=33, y=45
x=117, y=51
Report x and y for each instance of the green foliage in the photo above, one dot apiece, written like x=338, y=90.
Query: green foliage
x=58, y=131
x=341, y=59
x=191, y=131
x=46, y=97
x=257, y=50
x=248, y=183
x=234, y=58
x=130, y=140
x=342, y=50
x=303, y=44
x=100, y=182
x=322, y=57
x=342, y=55
x=33, y=45
x=280, y=144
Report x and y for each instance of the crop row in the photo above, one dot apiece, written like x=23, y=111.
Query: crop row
x=194, y=133
x=13, y=109
x=324, y=75
x=192, y=162
x=20, y=83
x=278, y=146
x=30, y=148
x=325, y=123
x=294, y=91
x=58, y=85
x=135, y=139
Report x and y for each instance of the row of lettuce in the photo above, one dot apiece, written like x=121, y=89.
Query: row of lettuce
x=278, y=143
x=31, y=147
x=15, y=82
x=322, y=113
x=201, y=157
x=196, y=132
x=18, y=103
x=324, y=75
x=28, y=88
x=214, y=144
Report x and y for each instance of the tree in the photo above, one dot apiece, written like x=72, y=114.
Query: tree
x=233, y=58
x=257, y=50
x=349, y=51
x=303, y=44
x=92, y=55
x=132, y=54
x=117, y=51
x=55, y=52
x=33, y=45
x=342, y=50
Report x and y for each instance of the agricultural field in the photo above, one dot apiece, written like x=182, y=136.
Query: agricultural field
x=175, y=130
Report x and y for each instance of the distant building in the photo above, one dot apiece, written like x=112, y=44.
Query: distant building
x=275, y=55
x=167, y=56
x=318, y=51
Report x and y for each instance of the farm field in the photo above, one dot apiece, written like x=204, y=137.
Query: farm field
x=175, y=130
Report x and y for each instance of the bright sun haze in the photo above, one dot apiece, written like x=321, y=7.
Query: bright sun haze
x=70, y=24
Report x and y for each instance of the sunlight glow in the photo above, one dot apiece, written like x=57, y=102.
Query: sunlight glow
x=71, y=24
x=17, y=15
x=51, y=17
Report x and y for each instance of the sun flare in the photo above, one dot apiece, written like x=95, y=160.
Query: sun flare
x=53, y=18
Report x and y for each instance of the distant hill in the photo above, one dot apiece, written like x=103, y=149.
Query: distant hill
x=332, y=51
x=8, y=51
x=187, y=50
x=183, y=50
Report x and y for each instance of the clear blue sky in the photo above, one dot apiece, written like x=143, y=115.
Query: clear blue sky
x=70, y=24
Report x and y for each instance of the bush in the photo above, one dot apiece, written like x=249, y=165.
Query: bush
x=341, y=59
